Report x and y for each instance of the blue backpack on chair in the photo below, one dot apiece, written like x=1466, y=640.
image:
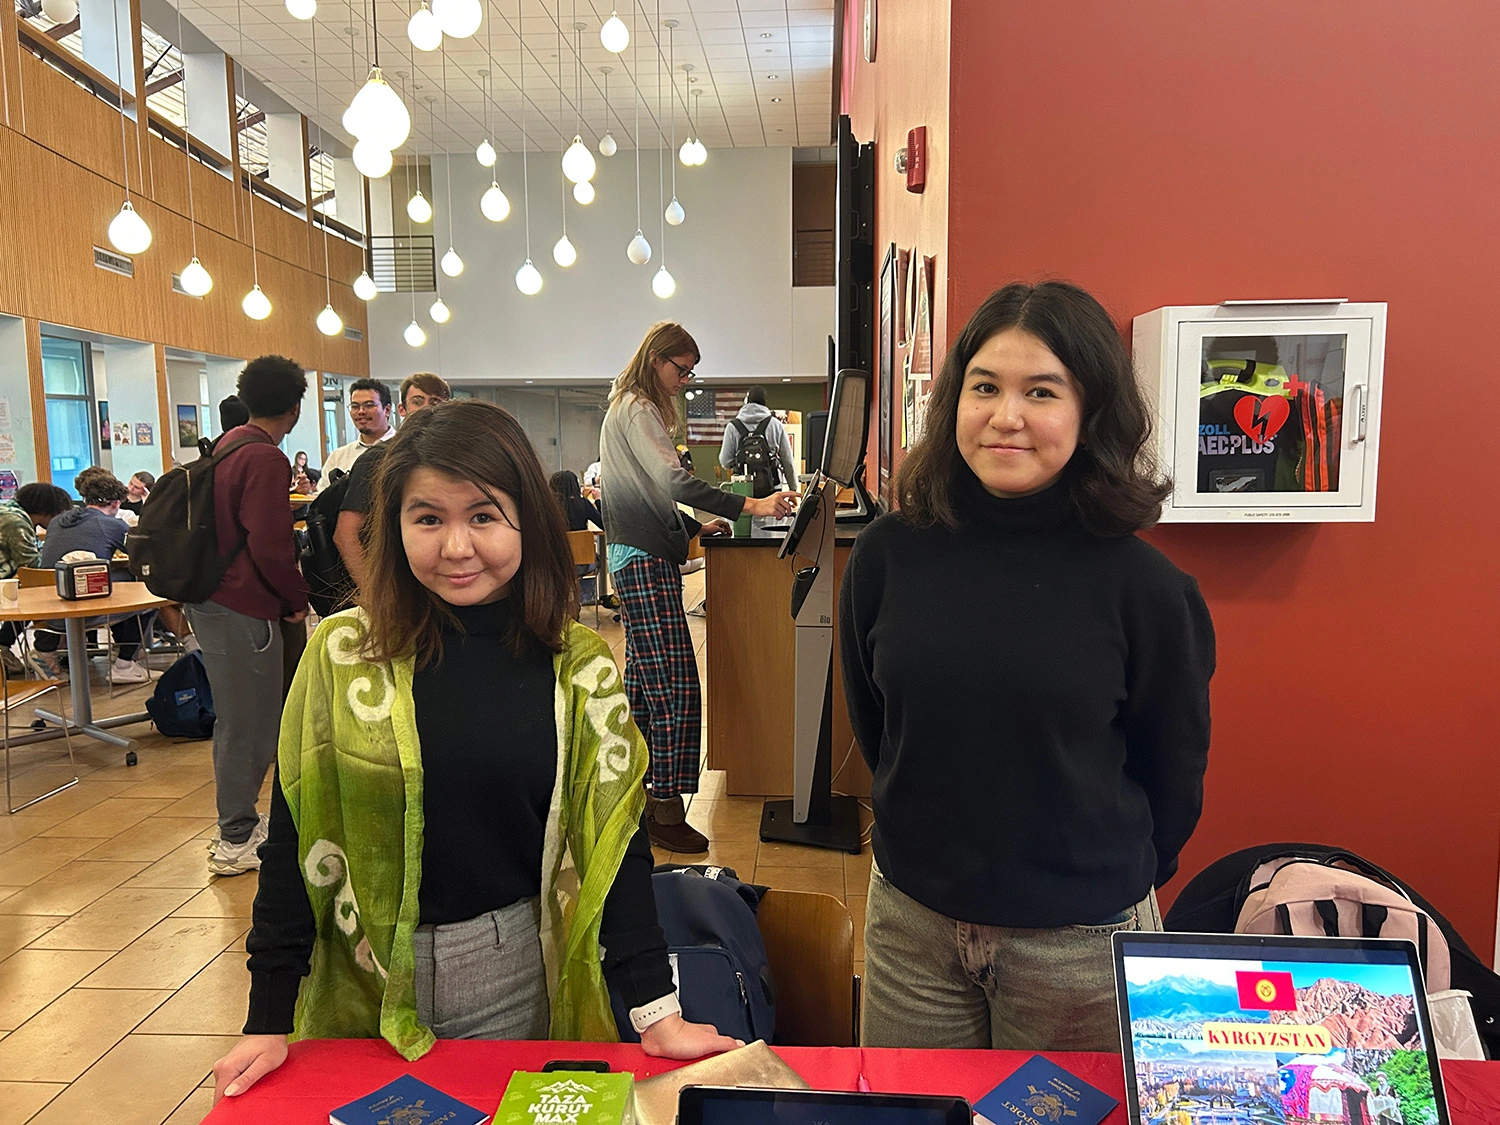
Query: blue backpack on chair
x=182, y=706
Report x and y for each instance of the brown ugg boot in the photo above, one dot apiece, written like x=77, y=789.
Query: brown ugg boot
x=666, y=824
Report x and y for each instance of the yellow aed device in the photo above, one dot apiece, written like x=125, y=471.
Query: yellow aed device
x=88, y=578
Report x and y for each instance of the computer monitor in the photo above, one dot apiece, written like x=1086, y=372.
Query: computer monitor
x=848, y=428
x=723, y=1105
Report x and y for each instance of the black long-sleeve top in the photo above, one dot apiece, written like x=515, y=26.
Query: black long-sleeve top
x=1033, y=703
x=487, y=727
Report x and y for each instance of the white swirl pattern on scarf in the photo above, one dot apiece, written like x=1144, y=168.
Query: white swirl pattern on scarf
x=326, y=865
x=606, y=701
x=345, y=643
x=380, y=710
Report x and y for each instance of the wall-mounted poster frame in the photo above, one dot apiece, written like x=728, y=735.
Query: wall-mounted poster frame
x=887, y=353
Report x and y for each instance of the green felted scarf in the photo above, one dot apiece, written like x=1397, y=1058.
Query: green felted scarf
x=351, y=769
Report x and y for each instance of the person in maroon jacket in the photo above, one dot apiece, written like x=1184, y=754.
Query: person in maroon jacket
x=240, y=626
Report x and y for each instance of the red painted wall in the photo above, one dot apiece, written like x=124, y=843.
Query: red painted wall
x=1167, y=152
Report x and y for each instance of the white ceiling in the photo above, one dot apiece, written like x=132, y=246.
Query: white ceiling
x=745, y=53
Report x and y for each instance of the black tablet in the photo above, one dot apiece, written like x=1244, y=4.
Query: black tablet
x=726, y=1105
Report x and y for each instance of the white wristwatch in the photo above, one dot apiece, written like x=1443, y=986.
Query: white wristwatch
x=643, y=1017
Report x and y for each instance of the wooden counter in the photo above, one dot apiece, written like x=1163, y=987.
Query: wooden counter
x=750, y=661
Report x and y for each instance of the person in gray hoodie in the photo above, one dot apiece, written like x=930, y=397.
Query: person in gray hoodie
x=748, y=421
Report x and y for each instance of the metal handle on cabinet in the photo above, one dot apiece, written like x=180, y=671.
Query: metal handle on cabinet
x=1361, y=413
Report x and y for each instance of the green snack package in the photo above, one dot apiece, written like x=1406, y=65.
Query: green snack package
x=568, y=1098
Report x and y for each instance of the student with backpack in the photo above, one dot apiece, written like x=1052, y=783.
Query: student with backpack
x=460, y=749
x=757, y=445
x=238, y=621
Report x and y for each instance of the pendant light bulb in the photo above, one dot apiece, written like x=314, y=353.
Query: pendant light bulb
x=675, y=213
x=607, y=145
x=639, y=250
x=329, y=322
x=663, y=284
x=302, y=9
x=494, y=204
x=414, y=334
x=578, y=162
x=700, y=153
x=256, y=304
x=614, y=34
x=60, y=11
x=564, y=253
x=485, y=153
x=529, y=279
x=459, y=19
x=583, y=193
x=364, y=287
x=128, y=232
x=451, y=263
x=686, y=153
x=377, y=114
x=195, y=279
x=372, y=160
x=439, y=312
x=423, y=29
x=418, y=210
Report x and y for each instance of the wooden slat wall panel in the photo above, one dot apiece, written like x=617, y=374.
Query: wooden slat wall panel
x=64, y=117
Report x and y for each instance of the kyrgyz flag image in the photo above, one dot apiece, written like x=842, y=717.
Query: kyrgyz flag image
x=1266, y=992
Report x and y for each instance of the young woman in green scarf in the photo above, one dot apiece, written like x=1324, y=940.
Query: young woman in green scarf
x=456, y=846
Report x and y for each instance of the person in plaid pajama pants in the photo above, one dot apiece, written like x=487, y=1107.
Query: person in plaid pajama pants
x=643, y=481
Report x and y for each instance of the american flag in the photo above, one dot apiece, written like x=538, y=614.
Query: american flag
x=709, y=412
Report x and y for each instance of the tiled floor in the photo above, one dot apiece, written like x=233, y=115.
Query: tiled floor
x=122, y=965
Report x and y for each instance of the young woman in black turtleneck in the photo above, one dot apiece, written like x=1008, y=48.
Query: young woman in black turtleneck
x=1029, y=684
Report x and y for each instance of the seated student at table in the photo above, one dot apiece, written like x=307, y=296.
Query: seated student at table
x=35, y=505
x=138, y=488
x=578, y=510
x=1028, y=682
x=460, y=749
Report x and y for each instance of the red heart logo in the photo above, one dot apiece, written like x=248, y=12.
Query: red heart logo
x=1261, y=418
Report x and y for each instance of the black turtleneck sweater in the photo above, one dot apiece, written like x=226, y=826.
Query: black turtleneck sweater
x=488, y=732
x=1033, y=703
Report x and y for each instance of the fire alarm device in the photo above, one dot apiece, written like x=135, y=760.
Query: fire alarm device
x=86, y=579
x=916, y=159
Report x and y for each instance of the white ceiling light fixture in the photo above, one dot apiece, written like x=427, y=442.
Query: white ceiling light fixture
x=494, y=204
x=578, y=162
x=564, y=253
x=128, y=232
x=328, y=321
x=700, y=150
x=638, y=250
x=195, y=279
x=662, y=284
x=418, y=210
x=373, y=161
x=423, y=29
x=689, y=147
x=614, y=34
x=257, y=305
x=415, y=335
x=485, y=154
x=459, y=19
x=674, y=212
x=302, y=9
x=440, y=312
x=451, y=264
x=583, y=194
x=63, y=11
x=364, y=286
x=528, y=277
x=607, y=145
x=377, y=114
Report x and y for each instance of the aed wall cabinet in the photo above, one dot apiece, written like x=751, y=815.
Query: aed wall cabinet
x=1265, y=410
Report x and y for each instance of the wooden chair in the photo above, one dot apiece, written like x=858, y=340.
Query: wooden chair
x=581, y=543
x=810, y=945
x=31, y=577
x=28, y=691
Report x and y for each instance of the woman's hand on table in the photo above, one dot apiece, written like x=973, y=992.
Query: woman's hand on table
x=248, y=1061
x=672, y=1037
x=776, y=504
x=715, y=528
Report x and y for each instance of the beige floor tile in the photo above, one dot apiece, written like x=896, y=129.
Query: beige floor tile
x=151, y=839
x=176, y=780
x=38, y=857
x=729, y=818
x=16, y=830
x=70, y=1034
x=109, y=818
x=212, y=1003
x=238, y=944
x=195, y=1109
x=33, y=978
x=22, y=1099
x=167, y=955
x=183, y=866
x=175, y=1063
x=6, y=892
x=71, y=887
x=200, y=802
x=711, y=785
x=20, y=930
x=857, y=870
x=116, y=919
x=801, y=879
x=223, y=898
x=856, y=905
x=795, y=855
x=82, y=797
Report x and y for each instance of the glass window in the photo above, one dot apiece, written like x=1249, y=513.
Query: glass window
x=67, y=382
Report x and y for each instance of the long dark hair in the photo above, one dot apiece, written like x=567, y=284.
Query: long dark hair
x=564, y=483
x=479, y=442
x=1115, y=485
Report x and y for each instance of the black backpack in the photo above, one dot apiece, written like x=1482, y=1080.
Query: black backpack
x=330, y=586
x=182, y=705
x=755, y=457
x=719, y=960
x=174, y=549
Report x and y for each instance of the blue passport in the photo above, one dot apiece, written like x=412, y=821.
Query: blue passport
x=1042, y=1092
x=407, y=1101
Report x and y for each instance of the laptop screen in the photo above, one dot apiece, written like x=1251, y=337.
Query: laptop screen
x=1230, y=1030
x=708, y=1105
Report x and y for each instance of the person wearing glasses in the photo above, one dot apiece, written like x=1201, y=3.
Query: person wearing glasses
x=370, y=409
x=644, y=481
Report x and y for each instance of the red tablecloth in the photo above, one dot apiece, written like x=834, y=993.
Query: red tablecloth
x=320, y=1076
